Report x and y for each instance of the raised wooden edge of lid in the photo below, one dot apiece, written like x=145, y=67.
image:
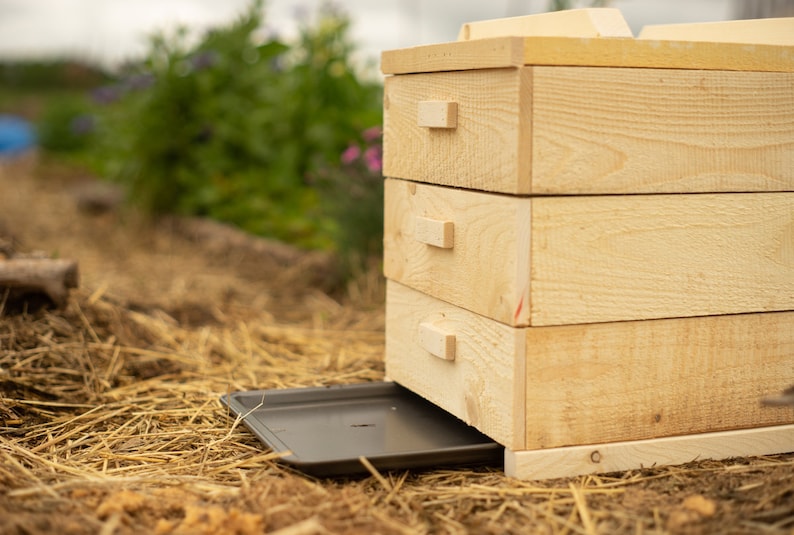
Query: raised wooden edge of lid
x=501, y=52
x=587, y=22
x=775, y=31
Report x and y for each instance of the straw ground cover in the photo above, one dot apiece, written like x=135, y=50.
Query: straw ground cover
x=110, y=421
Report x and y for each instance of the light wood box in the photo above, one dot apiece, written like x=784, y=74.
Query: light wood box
x=590, y=242
x=557, y=260
x=576, y=130
x=547, y=387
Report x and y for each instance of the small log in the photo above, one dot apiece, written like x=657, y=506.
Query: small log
x=313, y=268
x=96, y=197
x=20, y=278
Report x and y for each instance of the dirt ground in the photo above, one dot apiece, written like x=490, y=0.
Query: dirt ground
x=110, y=420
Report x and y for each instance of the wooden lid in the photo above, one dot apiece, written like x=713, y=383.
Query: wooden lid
x=600, y=38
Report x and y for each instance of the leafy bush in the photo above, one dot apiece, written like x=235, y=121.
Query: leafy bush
x=354, y=195
x=233, y=129
x=45, y=75
x=66, y=124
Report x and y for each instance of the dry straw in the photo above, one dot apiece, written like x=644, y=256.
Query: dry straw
x=110, y=420
x=113, y=415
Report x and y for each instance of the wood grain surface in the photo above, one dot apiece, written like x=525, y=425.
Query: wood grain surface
x=586, y=22
x=550, y=387
x=487, y=268
x=580, y=130
x=482, y=386
x=587, y=52
x=588, y=259
x=635, y=455
x=608, y=382
x=772, y=31
x=604, y=130
x=614, y=258
x=483, y=152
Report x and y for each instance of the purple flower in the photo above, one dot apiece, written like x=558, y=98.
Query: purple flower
x=203, y=60
x=351, y=154
x=372, y=134
x=374, y=159
x=82, y=125
x=139, y=82
x=107, y=94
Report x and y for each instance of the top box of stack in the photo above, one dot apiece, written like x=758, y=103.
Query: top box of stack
x=570, y=103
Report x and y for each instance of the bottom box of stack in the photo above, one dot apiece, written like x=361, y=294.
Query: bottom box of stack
x=572, y=399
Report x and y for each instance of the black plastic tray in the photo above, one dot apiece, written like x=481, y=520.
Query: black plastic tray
x=324, y=431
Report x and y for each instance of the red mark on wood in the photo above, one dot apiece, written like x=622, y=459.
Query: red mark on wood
x=518, y=310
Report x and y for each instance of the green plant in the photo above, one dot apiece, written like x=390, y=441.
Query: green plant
x=353, y=195
x=233, y=127
x=47, y=75
x=66, y=124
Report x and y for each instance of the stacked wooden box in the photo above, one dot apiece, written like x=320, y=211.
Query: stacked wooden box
x=589, y=238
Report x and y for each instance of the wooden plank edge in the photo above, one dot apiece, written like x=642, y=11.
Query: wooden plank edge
x=632, y=455
x=584, y=22
x=772, y=31
x=498, y=52
x=504, y=52
x=52, y=277
x=657, y=54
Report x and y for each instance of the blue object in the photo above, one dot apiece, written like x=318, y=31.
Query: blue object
x=16, y=135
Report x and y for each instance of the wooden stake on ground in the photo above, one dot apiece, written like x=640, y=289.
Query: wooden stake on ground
x=50, y=277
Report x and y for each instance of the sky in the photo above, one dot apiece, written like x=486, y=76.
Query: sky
x=111, y=31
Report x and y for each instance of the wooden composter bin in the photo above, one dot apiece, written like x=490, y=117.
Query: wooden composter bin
x=589, y=237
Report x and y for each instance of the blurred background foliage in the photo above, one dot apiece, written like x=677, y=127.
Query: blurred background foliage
x=238, y=126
